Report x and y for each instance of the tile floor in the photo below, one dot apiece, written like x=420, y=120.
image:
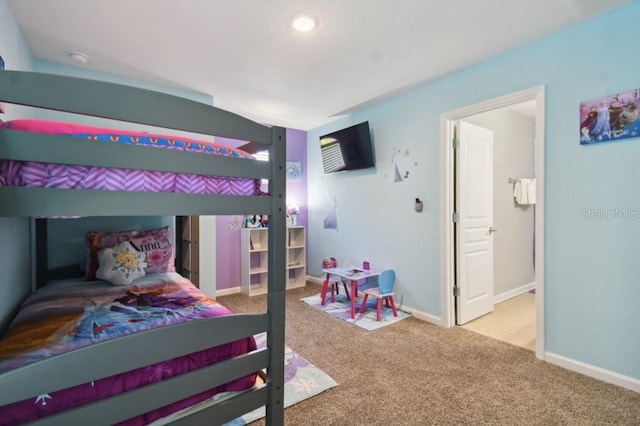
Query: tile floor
x=511, y=321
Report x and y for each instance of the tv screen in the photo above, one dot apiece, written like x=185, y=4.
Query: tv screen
x=347, y=149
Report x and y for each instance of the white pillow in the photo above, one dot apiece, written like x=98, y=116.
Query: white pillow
x=121, y=265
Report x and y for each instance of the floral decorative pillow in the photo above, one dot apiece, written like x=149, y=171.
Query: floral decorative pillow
x=121, y=265
x=154, y=243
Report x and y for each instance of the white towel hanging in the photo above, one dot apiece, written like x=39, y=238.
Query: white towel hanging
x=531, y=191
x=517, y=191
x=524, y=191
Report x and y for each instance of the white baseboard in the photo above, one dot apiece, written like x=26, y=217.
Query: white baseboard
x=316, y=280
x=238, y=289
x=228, y=291
x=416, y=313
x=422, y=315
x=513, y=293
x=608, y=376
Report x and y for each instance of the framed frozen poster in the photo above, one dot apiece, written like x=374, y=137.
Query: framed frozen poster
x=610, y=119
x=294, y=170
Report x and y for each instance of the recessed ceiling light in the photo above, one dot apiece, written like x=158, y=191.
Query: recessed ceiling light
x=303, y=23
x=79, y=58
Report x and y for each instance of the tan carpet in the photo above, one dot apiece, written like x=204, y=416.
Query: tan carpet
x=415, y=373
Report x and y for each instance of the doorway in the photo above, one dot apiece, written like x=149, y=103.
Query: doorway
x=511, y=321
x=449, y=214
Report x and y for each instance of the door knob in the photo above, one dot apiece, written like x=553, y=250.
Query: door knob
x=492, y=230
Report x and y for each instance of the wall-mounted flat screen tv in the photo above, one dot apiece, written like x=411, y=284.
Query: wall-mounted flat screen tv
x=347, y=149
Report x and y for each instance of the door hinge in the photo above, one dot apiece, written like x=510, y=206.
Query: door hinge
x=455, y=217
x=456, y=291
x=455, y=143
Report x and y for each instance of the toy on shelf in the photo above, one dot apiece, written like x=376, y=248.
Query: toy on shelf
x=253, y=221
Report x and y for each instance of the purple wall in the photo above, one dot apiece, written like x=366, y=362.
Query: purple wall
x=297, y=189
x=228, y=239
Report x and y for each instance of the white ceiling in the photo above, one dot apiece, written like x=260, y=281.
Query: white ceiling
x=245, y=54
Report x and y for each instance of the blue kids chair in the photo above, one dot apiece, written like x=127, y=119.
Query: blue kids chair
x=384, y=291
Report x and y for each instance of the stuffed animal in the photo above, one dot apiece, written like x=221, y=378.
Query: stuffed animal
x=252, y=221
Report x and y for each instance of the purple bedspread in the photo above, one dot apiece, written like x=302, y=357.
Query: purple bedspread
x=71, y=314
x=46, y=175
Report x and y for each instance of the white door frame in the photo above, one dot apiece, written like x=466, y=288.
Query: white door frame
x=447, y=184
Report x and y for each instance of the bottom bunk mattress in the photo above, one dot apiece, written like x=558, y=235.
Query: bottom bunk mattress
x=70, y=314
x=69, y=176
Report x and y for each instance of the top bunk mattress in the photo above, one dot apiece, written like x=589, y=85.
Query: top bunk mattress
x=69, y=176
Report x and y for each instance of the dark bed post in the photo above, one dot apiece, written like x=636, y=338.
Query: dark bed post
x=277, y=276
x=179, y=247
x=41, y=256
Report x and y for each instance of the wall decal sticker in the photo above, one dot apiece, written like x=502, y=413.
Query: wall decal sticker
x=235, y=223
x=402, y=163
x=331, y=219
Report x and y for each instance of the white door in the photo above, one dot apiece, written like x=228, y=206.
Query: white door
x=474, y=230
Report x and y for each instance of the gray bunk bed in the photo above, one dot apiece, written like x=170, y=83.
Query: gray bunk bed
x=136, y=105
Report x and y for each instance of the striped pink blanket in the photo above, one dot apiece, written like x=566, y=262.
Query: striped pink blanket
x=32, y=174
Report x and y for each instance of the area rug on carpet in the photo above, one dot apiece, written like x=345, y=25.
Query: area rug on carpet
x=341, y=308
x=302, y=380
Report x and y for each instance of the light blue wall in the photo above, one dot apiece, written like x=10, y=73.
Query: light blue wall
x=67, y=242
x=85, y=72
x=13, y=50
x=592, y=294
x=14, y=232
x=82, y=71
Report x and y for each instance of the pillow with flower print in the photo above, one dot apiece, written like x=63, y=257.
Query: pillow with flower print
x=154, y=243
x=121, y=265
